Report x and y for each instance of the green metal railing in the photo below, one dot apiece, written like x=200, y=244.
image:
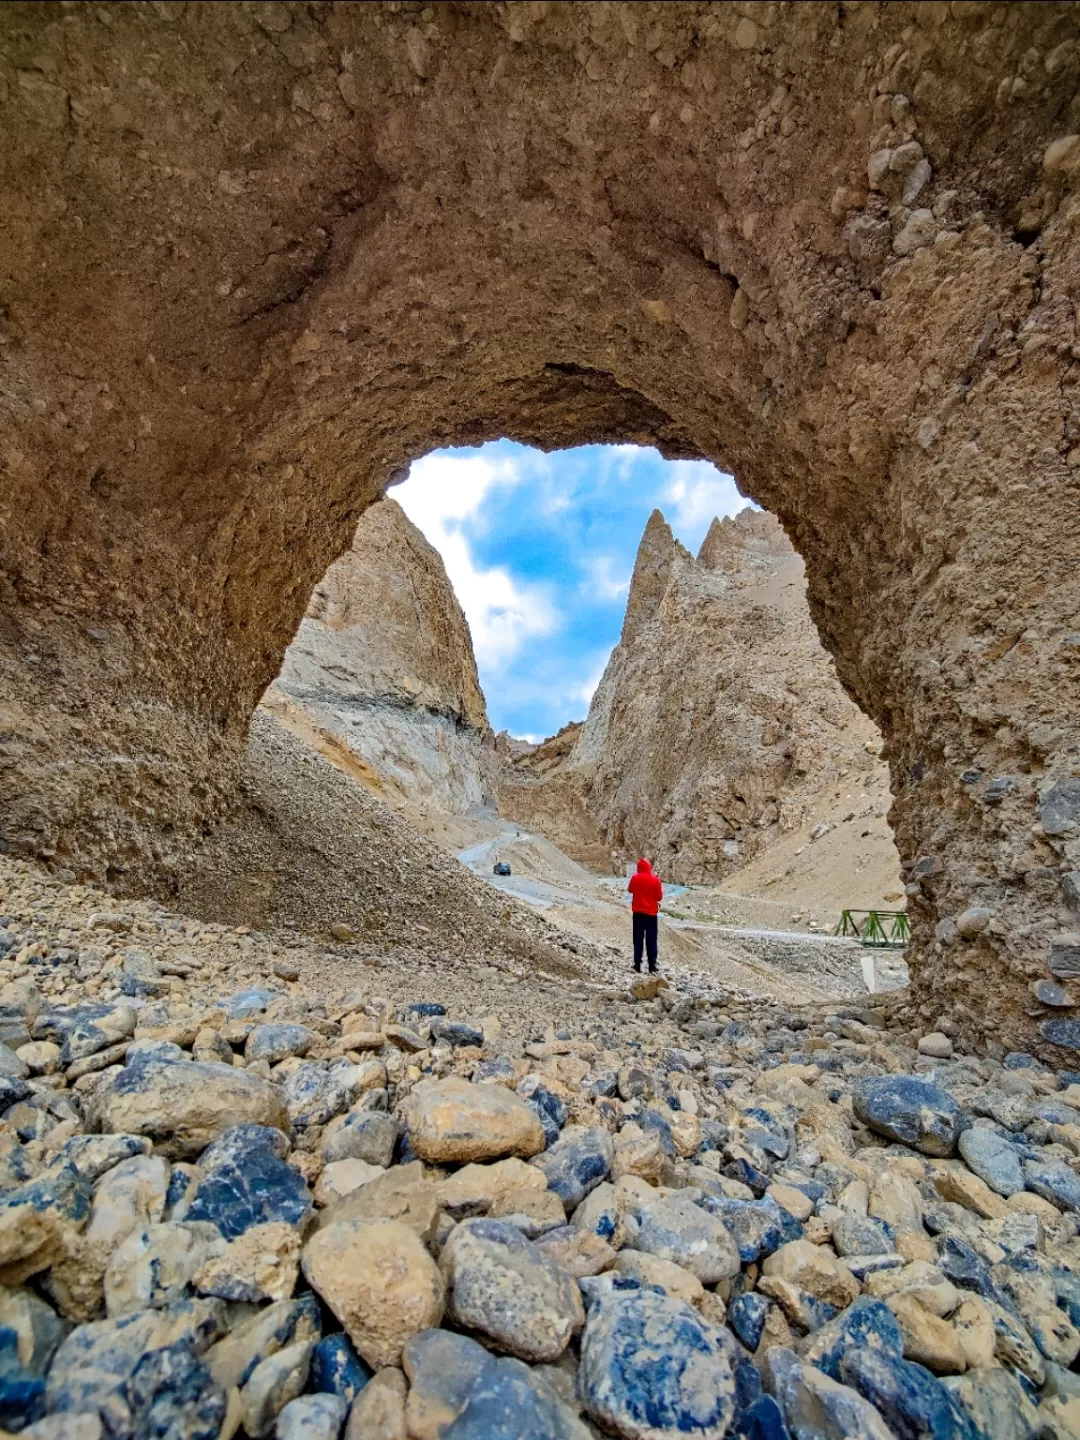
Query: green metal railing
x=884, y=929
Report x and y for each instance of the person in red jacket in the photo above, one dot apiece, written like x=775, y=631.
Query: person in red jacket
x=646, y=893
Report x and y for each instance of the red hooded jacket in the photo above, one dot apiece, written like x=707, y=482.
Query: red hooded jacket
x=646, y=889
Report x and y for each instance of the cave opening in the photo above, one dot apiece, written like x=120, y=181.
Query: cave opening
x=608, y=648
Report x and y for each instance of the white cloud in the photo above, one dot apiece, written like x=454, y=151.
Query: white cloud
x=697, y=491
x=603, y=582
x=584, y=691
x=440, y=494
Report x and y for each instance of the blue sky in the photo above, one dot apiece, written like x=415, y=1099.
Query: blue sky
x=540, y=548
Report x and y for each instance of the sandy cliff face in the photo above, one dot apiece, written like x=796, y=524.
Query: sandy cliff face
x=381, y=675
x=719, y=724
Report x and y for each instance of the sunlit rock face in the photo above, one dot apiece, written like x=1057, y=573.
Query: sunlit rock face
x=259, y=258
x=719, y=722
x=383, y=666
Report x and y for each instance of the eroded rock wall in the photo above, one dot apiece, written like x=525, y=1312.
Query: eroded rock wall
x=383, y=664
x=719, y=723
x=259, y=257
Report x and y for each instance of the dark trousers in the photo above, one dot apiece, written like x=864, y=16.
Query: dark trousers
x=644, y=935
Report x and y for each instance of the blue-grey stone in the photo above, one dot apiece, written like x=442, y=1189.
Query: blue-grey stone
x=866, y=1323
x=504, y=1287
x=247, y=1003
x=337, y=1369
x=12, y=1090
x=601, y=1083
x=756, y=1226
x=456, y=1033
x=465, y=1393
x=652, y=1367
x=965, y=1267
x=91, y=1371
x=651, y=1119
x=1020, y=1060
x=763, y=1420
x=311, y=1417
x=912, y=1111
x=244, y=1181
x=862, y=1235
x=996, y=1403
x=749, y=1175
x=363, y=1135
x=15, y=1167
x=1059, y=807
x=1049, y=992
x=548, y=1108
x=1056, y=1112
x=914, y=1403
x=993, y=1159
x=1062, y=1029
x=172, y=1394
x=278, y=1042
x=179, y=1184
x=773, y=1136
x=815, y=1406
x=863, y=1265
x=1054, y=1181
x=747, y=1314
x=94, y=1155
x=84, y=1039
x=56, y=1024
x=62, y=1191
x=578, y=1161
x=22, y=1393
x=674, y=1228
x=420, y=1009
x=314, y=1093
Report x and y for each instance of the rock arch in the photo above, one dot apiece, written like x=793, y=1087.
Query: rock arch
x=254, y=258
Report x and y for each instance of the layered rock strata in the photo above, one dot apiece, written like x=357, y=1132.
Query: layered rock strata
x=383, y=666
x=719, y=721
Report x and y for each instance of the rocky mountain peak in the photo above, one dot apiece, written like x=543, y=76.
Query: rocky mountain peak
x=733, y=542
x=657, y=555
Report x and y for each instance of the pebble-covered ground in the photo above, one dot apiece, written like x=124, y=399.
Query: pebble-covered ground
x=255, y=1185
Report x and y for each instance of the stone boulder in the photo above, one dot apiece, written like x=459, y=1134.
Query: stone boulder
x=652, y=1367
x=379, y=1281
x=909, y=1110
x=501, y=1285
x=453, y=1121
x=458, y=1389
x=183, y=1105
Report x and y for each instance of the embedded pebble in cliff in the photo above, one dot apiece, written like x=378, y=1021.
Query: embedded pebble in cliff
x=502, y=1286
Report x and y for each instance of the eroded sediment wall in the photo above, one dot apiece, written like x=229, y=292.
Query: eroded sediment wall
x=256, y=258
